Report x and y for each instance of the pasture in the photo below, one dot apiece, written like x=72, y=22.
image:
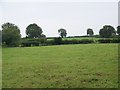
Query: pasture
x=61, y=66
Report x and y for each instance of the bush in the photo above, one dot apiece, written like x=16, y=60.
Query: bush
x=97, y=36
x=50, y=42
x=30, y=43
x=57, y=41
x=74, y=41
x=86, y=41
x=116, y=40
x=33, y=42
x=105, y=40
x=66, y=42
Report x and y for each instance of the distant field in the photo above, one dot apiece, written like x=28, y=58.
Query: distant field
x=93, y=38
x=90, y=38
x=62, y=66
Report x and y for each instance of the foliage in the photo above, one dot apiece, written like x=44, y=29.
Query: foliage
x=90, y=32
x=50, y=42
x=107, y=31
x=60, y=41
x=10, y=34
x=30, y=43
x=118, y=30
x=33, y=42
x=116, y=40
x=43, y=36
x=105, y=41
x=86, y=41
x=34, y=31
x=75, y=41
x=62, y=32
x=72, y=41
x=57, y=41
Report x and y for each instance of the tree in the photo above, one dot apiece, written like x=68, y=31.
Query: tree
x=33, y=31
x=10, y=34
x=90, y=32
x=43, y=36
x=107, y=31
x=118, y=30
x=62, y=32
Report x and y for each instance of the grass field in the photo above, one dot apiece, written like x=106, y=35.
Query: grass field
x=62, y=66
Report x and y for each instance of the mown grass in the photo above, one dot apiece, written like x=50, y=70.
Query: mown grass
x=62, y=66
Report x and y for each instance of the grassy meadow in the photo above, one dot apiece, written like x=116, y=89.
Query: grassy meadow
x=61, y=66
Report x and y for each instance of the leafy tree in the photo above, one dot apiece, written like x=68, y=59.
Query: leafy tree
x=118, y=30
x=107, y=31
x=33, y=31
x=10, y=34
x=62, y=32
x=90, y=32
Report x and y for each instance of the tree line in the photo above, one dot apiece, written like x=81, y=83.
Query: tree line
x=11, y=36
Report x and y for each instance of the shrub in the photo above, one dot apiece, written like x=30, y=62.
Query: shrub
x=57, y=41
x=74, y=41
x=105, y=40
x=30, y=43
x=49, y=42
x=66, y=42
x=116, y=40
x=86, y=41
x=33, y=41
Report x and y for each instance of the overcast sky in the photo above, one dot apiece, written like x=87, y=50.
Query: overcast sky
x=75, y=16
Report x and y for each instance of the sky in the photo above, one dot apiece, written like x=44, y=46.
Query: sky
x=73, y=15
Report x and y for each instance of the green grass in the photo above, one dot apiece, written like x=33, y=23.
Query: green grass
x=62, y=66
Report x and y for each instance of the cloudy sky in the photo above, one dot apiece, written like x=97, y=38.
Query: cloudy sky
x=73, y=15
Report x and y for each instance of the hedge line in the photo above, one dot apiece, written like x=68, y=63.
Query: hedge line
x=59, y=41
x=33, y=42
x=109, y=40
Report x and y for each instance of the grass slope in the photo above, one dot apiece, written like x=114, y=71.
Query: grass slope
x=63, y=66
